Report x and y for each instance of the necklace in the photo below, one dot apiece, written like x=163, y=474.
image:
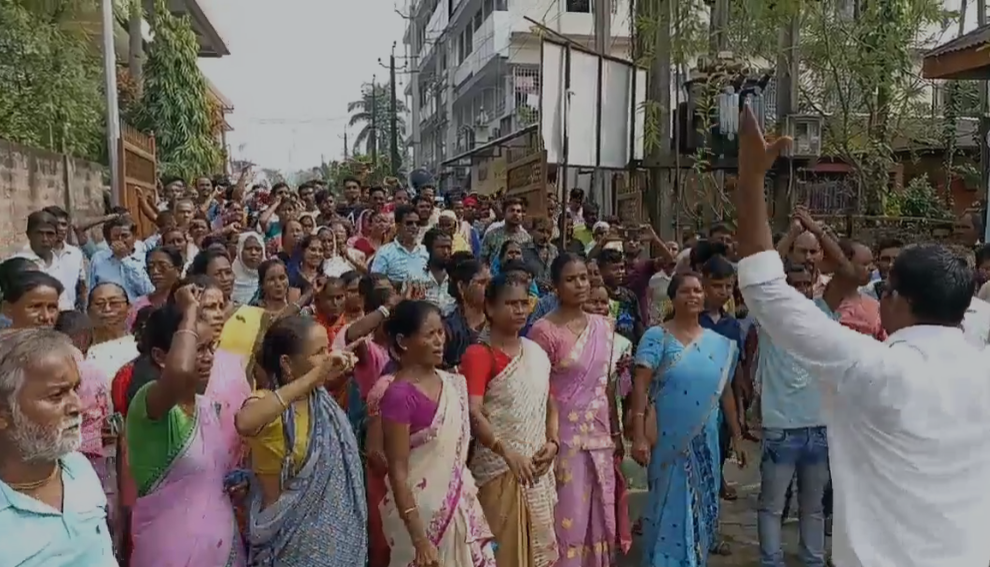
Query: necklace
x=35, y=485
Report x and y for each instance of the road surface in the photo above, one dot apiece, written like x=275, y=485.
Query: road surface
x=738, y=518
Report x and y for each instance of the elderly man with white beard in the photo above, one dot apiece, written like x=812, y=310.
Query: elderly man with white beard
x=53, y=511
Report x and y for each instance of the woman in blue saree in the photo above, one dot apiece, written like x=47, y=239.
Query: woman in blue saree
x=307, y=505
x=682, y=374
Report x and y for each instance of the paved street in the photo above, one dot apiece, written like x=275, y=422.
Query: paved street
x=738, y=518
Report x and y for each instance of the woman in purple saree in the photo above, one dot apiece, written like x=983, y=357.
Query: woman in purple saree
x=580, y=350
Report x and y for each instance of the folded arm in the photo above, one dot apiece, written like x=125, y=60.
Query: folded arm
x=795, y=324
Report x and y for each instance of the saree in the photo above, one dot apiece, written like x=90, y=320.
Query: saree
x=444, y=489
x=228, y=387
x=680, y=521
x=320, y=518
x=377, y=484
x=585, y=467
x=520, y=517
x=183, y=515
x=241, y=330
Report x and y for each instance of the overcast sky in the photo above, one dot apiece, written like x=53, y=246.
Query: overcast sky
x=294, y=66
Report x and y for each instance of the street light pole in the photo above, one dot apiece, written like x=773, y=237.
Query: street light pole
x=374, y=122
x=393, y=118
x=113, y=113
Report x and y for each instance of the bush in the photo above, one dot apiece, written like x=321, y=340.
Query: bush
x=919, y=199
x=51, y=82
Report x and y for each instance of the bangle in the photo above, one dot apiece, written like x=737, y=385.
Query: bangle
x=639, y=414
x=555, y=443
x=384, y=311
x=280, y=399
x=190, y=332
x=405, y=513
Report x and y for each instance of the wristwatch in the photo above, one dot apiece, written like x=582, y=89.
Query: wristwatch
x=384, y=311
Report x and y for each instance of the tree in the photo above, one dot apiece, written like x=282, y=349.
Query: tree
x=860, y=71
x=175, y=106
x=50, y=78
x=376, y=97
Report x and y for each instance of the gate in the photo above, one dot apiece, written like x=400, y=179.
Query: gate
x=138, y=173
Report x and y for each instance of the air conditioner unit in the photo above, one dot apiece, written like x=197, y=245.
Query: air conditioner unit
x=805, y=131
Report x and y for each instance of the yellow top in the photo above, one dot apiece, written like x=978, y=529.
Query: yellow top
x=241, y=331
x=268, y=446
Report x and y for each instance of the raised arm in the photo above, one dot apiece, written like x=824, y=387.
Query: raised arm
x=795, y=324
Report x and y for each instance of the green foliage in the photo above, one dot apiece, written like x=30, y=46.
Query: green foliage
x=175, y=106
x=858, y=71
x=50, y=78
x=376, y=97
x=920, y=200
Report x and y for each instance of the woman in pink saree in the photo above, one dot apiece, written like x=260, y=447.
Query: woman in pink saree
x=180, y=449
x=431, y=511
x=580, y=349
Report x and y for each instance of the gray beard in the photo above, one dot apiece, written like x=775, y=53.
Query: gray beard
x=35, y=443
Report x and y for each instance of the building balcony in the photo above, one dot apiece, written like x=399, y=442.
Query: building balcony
x=434, y=29
x=490, y=40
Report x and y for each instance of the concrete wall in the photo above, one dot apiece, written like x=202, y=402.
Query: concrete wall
x=31, y=179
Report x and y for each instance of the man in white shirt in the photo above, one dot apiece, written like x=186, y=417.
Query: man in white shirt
x=908, y=419
x=42, y=234
x=71, y=257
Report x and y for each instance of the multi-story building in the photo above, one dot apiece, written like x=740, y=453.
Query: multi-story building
x=476, y=66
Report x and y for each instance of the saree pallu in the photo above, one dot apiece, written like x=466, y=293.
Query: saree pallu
x=445, y=493
x=240, y=332
x=520, y=517
x=228, y=387
x=320, y=518
x=586, y=490
x=377, y=485
x=681, y=517
x=186, y=517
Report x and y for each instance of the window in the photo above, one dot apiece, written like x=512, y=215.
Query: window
x=477, y=20
x=582, y=6
x=487, y=8
x=501, y=5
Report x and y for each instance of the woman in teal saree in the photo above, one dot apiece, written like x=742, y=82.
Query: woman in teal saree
x=682, y=374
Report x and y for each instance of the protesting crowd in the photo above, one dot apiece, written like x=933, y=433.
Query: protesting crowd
x=277, y=376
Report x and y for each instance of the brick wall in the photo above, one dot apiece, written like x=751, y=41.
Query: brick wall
x=31, y=179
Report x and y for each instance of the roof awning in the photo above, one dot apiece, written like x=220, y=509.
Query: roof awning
x=966, y=57
x=211, y=44
x=487, y=150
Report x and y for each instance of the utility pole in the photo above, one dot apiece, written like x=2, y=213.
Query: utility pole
x=981, y=15
x=346, y=156
x=603, y=36
x=788, y=61
x=659, y=193
x=374, y=121
x=393, y=119
x=113, y=112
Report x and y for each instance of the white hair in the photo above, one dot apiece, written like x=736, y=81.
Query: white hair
x=21, y=347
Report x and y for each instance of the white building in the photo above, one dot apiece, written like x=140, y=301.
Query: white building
x=476, y=66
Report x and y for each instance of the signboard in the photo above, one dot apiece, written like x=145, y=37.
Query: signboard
x=629, y=193
x=138, y=173
x=526, y=178
x=488, y=176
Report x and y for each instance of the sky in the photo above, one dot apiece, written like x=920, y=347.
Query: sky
x=294, y=66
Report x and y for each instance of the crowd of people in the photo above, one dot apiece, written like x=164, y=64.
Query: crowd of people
x=276, y=377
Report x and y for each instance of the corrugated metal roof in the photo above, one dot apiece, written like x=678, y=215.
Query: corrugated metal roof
x=976, y=38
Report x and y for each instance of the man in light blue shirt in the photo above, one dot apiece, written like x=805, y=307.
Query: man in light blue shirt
x=403, y=260
x=53, y=511
x=123, y=263
x=794, y=442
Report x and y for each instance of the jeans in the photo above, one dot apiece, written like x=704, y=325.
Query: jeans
x=786, y=451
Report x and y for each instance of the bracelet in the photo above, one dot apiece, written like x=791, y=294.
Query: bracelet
x=405, y=513
x=555, y=443
x=280, y=399
x=639, y=414
x=190, y=332
x=384, y=311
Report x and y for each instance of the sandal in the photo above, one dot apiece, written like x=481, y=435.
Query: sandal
x=728, y=493
x=722, y=548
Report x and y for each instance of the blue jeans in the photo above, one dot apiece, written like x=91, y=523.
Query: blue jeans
x=785, y=452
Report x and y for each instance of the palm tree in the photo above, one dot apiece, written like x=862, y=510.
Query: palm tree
x=376, y=97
